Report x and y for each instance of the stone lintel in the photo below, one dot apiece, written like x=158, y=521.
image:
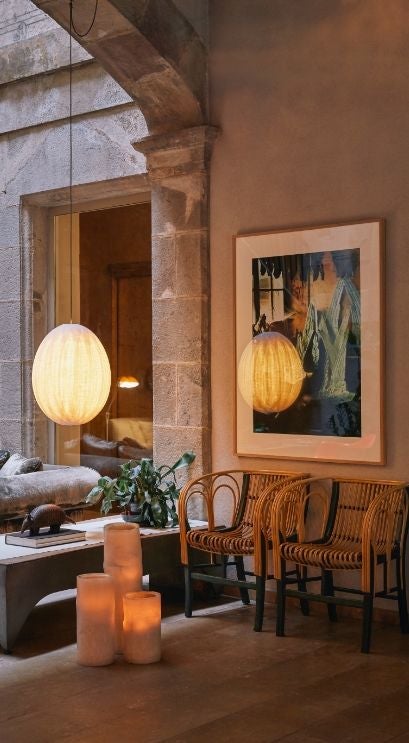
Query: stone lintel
x=114, y=188
x=178, y=153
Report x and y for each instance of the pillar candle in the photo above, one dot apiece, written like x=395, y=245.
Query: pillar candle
x=95, y=619
x=142, y=634
x=123, y=562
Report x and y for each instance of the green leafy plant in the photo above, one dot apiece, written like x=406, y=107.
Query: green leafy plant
x=146, y=493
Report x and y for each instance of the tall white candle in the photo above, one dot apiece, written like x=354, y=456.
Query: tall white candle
x=142, y=630
x=95, y=619
x=123, y=562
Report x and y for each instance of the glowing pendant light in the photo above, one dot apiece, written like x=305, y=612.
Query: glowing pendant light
x=270, y=374
x=71, y=373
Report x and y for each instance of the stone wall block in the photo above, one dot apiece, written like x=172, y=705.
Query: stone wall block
x=32, y=326
x=170, y=443
x=9, y=226
x=39, y=158
x=163, y=267
x=10, y=390
x=192, y=264
x=193, y=395
x=9, y=331
x=26, y=57
x=9, y=273
x=36, y=437
x=45, y=99
x=164, y=398
x=10, y=435
x=180, y=330
x=179, y=204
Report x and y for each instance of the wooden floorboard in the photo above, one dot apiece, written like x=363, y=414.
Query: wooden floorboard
x=218, y=681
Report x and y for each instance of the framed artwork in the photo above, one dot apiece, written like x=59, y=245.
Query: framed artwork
x=321, y=288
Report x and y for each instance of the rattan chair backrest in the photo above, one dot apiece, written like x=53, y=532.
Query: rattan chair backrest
x=254, y=485
x=352, y=499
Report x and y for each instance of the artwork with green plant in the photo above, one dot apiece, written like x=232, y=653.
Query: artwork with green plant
x=147, y=492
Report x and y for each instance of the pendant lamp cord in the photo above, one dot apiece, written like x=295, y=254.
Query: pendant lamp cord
x=73, y=29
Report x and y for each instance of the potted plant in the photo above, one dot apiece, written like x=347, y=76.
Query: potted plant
x=147, y=494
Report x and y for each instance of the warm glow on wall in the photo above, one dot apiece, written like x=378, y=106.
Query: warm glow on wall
x=71, y=375
x=270, y=374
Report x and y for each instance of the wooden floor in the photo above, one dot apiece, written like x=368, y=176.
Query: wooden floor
x=218, y=681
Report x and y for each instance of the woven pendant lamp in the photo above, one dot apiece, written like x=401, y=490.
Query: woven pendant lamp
x=270, y=373
x=71, y=373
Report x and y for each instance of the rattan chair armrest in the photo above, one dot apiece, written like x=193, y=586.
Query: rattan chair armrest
x=262, y=520
x=288, y=515
x=207, y=486
x=383, y=528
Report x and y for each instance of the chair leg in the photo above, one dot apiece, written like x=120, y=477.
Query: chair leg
x=188, y=592
x=260, y=596
x=402, y=598
x=241, y=575
x=224, y=559
x=302, y=586
x=327, y=589
x=367, y=623
x=280, y=607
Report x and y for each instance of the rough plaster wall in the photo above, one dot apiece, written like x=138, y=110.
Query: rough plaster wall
x=20, y=19
x=35, y=159
x=312, y=100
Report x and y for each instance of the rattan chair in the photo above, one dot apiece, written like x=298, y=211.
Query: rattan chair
x=364, y=524
x=252, y=493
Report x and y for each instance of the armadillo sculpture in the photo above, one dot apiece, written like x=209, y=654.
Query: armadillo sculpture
x=47, y=515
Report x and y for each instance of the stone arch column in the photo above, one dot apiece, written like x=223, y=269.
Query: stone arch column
x=178, y=170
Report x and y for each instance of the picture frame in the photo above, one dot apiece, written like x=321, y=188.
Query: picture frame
x=322, y=288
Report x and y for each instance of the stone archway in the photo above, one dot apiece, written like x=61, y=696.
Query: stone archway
x=152, y=51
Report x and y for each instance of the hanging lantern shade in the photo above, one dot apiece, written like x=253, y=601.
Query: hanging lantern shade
x=270, y=374
x=71, y=375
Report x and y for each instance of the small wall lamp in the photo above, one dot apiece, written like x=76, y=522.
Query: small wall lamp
x=123, y=383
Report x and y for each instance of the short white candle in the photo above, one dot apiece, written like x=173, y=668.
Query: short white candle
x=142, y=631
x=95, y=619
x=123, y=562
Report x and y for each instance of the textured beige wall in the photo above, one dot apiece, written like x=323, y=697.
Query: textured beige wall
x=312, y=99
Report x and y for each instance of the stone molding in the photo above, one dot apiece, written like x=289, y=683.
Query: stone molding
x=178, y=153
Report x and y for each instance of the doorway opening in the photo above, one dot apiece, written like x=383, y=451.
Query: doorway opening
x=111, y=289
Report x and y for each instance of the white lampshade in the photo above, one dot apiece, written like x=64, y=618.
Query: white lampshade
x=71, y=375
x=270, y=373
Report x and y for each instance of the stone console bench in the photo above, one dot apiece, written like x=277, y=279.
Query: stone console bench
x=27, y=575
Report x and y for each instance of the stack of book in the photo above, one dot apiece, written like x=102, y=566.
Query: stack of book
x=45, y=538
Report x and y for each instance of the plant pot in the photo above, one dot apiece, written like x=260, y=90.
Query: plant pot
x=133, y=518
x=133, y=514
